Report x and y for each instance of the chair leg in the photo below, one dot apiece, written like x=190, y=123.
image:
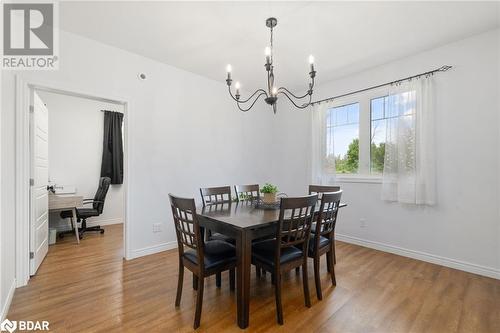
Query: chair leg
x=199, y=302
x=297, y=270
x=273, y=279
x=218, y=279
x=317, y=280
x=257, y=272
x=179, y=284
x=231, y=279
x=331, y=263
x=305, y=283
x=195, y=282
x=334, y=254
x=277, y=290
x=328, y=255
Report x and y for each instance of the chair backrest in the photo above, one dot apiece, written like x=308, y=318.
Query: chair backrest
x=327, y=215
x=100, y=195
x=186, y=224
x=294, y=227
x=322, y=189
x=215, y=195
x=247, y=192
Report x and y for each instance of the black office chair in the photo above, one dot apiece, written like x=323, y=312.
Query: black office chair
x=82, y=214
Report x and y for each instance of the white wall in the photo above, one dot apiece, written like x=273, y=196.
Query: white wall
x=463, y=229
x=184, y=132
x=76, y=127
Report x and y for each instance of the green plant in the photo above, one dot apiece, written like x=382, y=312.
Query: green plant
x=269, y=188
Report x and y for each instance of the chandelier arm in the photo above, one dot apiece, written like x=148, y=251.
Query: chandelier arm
x=256, y=99
x=291, y=100
x=309, y=92
x=249, y=98
x=294, y=96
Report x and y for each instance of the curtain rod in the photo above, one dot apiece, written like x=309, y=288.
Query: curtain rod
x=111, y=111
x=440, y=69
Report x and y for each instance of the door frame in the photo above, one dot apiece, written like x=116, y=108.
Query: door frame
x=24, y=87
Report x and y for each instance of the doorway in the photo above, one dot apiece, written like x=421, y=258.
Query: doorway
x=74, y=137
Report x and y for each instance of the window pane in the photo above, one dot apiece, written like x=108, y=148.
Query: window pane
x=343, y=138
x=377, y=147
x=341, y=116
x=377, y=108
x=379, y=120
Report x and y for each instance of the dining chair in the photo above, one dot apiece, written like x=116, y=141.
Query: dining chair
x=247, y=192
x=320, y=189
x=201, y=258
x=322, y=240
x=289, y=249
x=217, y=196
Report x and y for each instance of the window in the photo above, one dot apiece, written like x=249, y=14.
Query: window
x=352, y=138
x=342, y=128
x=379, y=116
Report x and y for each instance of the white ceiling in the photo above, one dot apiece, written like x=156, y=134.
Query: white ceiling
x=345, y=37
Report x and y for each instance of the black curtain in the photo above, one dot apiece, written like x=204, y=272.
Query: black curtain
x=112, y=148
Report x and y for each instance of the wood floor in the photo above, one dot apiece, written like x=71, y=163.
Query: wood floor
x=90, y=288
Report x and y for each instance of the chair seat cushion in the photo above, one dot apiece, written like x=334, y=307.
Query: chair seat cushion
x=264, y=252
x=218, y=236
x=86, y=212
x=323, y=241
x=217, y=253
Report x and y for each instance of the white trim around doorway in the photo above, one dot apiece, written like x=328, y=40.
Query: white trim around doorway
x=22, y=188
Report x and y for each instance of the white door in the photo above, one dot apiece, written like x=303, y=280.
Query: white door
x=39, y=216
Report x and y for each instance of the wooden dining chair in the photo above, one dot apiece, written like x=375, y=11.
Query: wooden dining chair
x=320, y=189
x=282, y=254
x=216, y=196
x=247, y=192
x=322, y=240
x=201, y=258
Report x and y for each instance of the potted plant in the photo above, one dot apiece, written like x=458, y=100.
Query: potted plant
x=269, y=191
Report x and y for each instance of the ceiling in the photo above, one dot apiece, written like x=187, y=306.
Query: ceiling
x=345, y=37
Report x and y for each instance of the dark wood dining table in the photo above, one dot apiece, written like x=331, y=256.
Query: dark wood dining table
x=244, y=222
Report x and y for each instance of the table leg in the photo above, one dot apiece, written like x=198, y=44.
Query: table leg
x=244, y=253
x=76, y=226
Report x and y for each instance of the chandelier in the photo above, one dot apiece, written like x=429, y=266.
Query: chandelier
x=272, y=92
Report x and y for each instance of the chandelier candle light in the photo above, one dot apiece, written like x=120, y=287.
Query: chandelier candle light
x=272, y=92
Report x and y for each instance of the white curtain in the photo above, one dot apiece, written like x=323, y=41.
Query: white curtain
x=323, y=168
x=409, y=166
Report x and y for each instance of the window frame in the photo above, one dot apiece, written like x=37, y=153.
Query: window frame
x=364, y=99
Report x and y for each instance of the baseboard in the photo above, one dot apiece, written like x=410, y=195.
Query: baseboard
x=93, y=222
x=8, y=300
x=452, y=263
x=151, y=250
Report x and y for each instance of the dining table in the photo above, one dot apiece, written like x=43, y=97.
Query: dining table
x=243, y=221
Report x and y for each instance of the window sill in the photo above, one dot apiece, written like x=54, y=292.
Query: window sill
x=359, y=179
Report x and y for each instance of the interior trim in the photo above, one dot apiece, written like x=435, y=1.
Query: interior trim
x=8, y=300
x=427, y=257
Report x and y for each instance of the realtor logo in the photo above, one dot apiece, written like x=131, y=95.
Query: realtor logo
x=30, y=35
x=24, y=325
x=8, y=325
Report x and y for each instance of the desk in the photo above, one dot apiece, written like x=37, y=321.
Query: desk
x=66, y=202
x=243, y=222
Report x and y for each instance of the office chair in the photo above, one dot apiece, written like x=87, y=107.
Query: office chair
x=83, y=214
